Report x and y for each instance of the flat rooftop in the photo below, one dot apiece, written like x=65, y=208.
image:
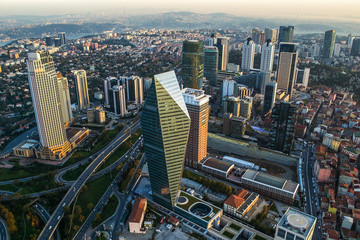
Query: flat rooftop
x=218, y=164
x=297, y=221
x=270, y=180
x=73, y=133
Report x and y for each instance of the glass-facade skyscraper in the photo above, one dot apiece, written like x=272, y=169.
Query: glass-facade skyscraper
x=165, y=124
x=222, y=43
x=211, y=64
x=193, y=64
x=329, y=41
x=82, y=92
x=286, y=34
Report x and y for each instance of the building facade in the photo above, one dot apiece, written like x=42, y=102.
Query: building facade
x=222, y=44
x=197, y=103
x=248, y=51
x=193, y=64
x=287, y=67
x=65, y=99
x=165, y=123
x=269, y=97
x=267, y=56
x=211, y=58
x=286, y=34
x=329, y=41
x=46, y=100
x=82, y=93
x=118, y=103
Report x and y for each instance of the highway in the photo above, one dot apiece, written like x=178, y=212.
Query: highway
x=4, y=235
x=129, y=157
x=54, y=220
x=45, y=216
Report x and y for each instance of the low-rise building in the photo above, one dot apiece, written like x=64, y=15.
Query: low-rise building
x=216, y=167
x=240, y=203
x=137, y=215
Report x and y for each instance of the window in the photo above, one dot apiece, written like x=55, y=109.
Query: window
x=290, y=236
x=281, y=233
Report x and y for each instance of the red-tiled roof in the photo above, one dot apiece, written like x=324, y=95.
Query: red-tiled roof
x=138, y=209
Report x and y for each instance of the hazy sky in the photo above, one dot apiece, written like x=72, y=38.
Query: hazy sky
x=345, y=9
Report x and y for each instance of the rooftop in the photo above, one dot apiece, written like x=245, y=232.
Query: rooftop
x=297, y=221
x=138, y=209
x=218, y=164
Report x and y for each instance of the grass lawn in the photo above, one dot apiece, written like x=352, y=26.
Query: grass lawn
x=75, y=173
x=228, y=234
x=21, y=172
x=107, y=211
x=235, y=227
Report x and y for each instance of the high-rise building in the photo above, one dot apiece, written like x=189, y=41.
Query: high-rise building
x=165, y=124
x=287, y=67
x=49, y=41
x=65, y=99
x=329, y=41
x=118, y=101
x=82, y=93
x=267, y=56
x=283, y=119
x=57, y=42
x=211, y=64
x=349, y=40
x=337, y=50
x=258, y=36
x=315, y=50
x=272, y=34
x=269, y=97
x=46, y=99
x=228, y=87
x=355, y=48
x=197, y=103
x=61, y=35
x=286, y=34
x=222, y=43
x=134, y=89
x=302, y=76
x=295, y=224
x=245, y=107
x=248, y=51
x=193, y=64
x=211, y=41
x=109, y=82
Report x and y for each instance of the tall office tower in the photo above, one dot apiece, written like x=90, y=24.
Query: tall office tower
x=193, y=63
x=211, y=64
x=118, y=101
x=329, y=41
x=147, y=83
x=222, y=43
x=165, y=123
x=106, y=91
x=248, y=51
x=267, y=56
x=47, y=106
x=197, y=103
x=286, y=34
x=355, y=48
x=61, y=35
x=65, y=99
x=315, y=50
x=287, y=67
x=228, y=88
x=57, y=42
x=302, y=76
x=271, y=33
x=245, y=107
x=82, y=93
x=283, y=119
x=349, y=40
x=337, y=50
x=49, y=41
x=269, y=97
x=134, y=89
x=211, y=41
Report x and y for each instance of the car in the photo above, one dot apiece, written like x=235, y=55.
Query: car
x=63, y=205
x=50, y=227
x=58, y=217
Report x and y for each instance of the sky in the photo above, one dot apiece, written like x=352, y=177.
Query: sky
x=315, y=9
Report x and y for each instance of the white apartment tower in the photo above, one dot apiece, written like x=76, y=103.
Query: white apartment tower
x=267, y=56
x=47, y=104
x=82, y=92
x=65, y=99
x=248, y=51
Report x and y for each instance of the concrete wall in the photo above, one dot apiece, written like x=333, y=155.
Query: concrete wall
x=225, y=144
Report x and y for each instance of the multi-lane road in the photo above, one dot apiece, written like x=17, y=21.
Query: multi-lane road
x=45, y=216
x=4, y=235
x=54, y=220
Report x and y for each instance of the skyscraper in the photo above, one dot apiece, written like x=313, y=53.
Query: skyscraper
x=46, y=99
x=222, y=43
x=134, y=89
x=258, y=36
x=286, y=34
x=118, y=101
x=61, y=35
x=49, y=41
x=272, y=34
x=248, y=51
x=283, y=119
x=193, y=63
x=329, y=41
x=269, y=97
x=197, y=103
x=165, y=124
x=267, y=56
x=287, y=67
x=302, y=76
x=211, y=65
x=82, y=93
x=65, y=99
x=349, y=40
x=355, y=48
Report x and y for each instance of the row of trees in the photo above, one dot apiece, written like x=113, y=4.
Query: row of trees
x=9, y=219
